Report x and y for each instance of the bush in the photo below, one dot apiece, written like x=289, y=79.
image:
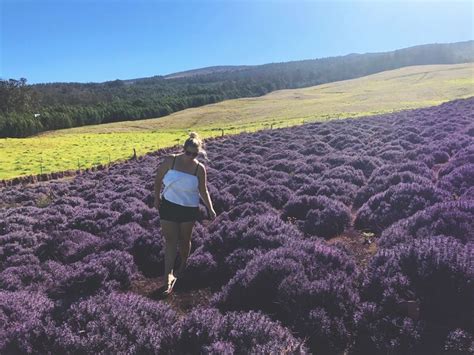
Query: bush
x=19, y=243
x=112, y=270
x=114, y=323
x=454, y=219
x=398, y=202
x=463, y=157
x=434, y=272
x=415, y=168
x=68, y=246
x=381, y=183
x=276, y=196
x=94, y=220
x=459, y=180
x=346, y=173
x=335, y=189
x=207, y=331
x=318, y=215
x=307, y=285
x=23, y=319
x=231, y=245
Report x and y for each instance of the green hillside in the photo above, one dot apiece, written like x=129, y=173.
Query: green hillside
x=389, y=91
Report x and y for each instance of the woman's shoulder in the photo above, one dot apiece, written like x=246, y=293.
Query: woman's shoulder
x=168, y=160
x=200, y=167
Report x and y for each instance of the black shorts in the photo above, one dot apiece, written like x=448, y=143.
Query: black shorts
x=174, y=212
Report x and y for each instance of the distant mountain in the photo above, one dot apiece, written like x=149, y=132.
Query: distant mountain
x=65, y=105
x=437, y=53
x=208, y=70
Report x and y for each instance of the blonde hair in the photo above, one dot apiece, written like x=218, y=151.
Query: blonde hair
x=195, y=141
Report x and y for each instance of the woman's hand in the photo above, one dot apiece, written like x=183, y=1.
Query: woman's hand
x=212, y=214
x=157, y=201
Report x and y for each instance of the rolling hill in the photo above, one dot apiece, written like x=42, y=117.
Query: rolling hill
x=390, y=91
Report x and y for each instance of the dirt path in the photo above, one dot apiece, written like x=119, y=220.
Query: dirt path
x=181, y=301
x=362, y=248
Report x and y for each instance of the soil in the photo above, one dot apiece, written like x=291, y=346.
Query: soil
x=181, y=301
x=362, y=247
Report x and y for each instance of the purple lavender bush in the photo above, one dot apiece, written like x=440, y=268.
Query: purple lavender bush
x=454, y=219
x=112, y=270
x=23, y=318
x=335, y=189
x=308, y=286
x=113, y=323
x=230, y=246
x=346, y=173
x=458, y=181
x=381, y=183
x=398, y=202
x=434, y=273
x=317, y=215
x=206, y=331
x=68, y=246
x=461, y=158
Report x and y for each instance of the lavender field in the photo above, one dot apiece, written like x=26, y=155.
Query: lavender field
x=351, y=236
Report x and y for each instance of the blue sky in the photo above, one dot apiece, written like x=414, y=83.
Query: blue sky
x=95, y=41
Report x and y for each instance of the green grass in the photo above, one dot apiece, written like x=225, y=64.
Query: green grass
x=389, y=91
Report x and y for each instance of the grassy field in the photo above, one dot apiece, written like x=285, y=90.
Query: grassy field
x=389, y=91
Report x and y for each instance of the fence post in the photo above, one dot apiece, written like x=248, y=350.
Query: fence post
x=134, y=154
x=222, y=133
x=41, y=165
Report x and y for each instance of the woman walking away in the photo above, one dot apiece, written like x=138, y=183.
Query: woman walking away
x=184, y=178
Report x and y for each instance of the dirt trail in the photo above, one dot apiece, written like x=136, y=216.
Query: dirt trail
x=181, y=301
x=361, y=247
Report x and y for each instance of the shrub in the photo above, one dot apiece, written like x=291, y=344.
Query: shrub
x=335, y=189
x=459, y=180
x=307, y=285
x=206, y=330
x=398, y=202
x=346, y=173
x=382, y=183
x=23, y=319
x=436, y=273
x=319, y=215
x=114, y=323
x=231, y=245
x=454, y=219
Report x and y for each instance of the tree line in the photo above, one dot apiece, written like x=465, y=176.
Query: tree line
x=29, y=109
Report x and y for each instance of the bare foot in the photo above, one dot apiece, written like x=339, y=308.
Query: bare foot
x=171, y=281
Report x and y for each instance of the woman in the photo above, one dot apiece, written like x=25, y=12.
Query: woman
x=185, y=179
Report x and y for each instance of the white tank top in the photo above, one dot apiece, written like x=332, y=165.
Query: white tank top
x=181, y=188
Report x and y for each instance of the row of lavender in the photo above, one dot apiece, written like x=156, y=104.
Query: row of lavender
x=70, y=250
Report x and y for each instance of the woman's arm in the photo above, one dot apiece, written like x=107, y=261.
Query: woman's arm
x=202, y=175
x=160, y=173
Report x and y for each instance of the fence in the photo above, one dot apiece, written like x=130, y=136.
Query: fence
x=232, y=130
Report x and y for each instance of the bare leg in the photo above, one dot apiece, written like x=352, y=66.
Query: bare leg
x=170, y=231
x=184, y=244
